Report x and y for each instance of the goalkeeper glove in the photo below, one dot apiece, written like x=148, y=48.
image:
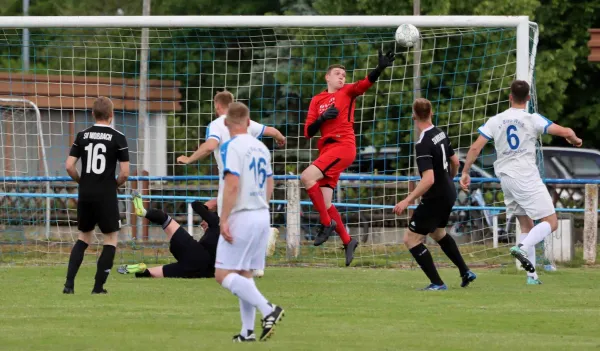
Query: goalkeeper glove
x=384, y=62
x=331, y=113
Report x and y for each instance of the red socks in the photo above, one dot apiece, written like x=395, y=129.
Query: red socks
x=340, y=228
x=316, y=196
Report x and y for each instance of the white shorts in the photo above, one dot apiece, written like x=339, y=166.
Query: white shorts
x=250, y=231
x=526, y=197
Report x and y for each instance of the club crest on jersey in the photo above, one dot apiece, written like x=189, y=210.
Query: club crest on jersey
x=326, y=105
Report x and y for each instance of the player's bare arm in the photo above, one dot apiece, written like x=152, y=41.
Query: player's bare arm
x=474, y=151
x=232, y=184
x=275, y=134
x=425, y=184
x=123, y=173
x=72, y=168
x=204, y=150
x=454, y=165
x=567, y=133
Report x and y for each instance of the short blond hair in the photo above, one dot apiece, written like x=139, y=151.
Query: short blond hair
x=238, y=113
x=422, y=109
x=103, y=109
x=224, y=98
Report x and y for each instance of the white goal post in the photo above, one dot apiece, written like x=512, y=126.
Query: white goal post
x=10, y=105
x=521, y=23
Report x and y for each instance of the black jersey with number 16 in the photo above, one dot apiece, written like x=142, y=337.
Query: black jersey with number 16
x=434, y=152
x=99, y=147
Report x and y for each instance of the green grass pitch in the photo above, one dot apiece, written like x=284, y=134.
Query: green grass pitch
x=327, y=309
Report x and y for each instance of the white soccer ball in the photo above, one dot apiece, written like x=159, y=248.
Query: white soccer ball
x=407, y=35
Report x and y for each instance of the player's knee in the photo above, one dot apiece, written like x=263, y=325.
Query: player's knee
x=307, y=179
x=409, y=239
x=220, y=276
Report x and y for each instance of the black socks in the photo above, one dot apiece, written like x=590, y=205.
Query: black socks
x=77, y=253
x=450, y=248
x=425, y=260
x=158, y=217
x=105, y=263
x=144, y=274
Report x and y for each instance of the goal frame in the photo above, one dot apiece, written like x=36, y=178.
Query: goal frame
x=521, y=23
x=38, y=118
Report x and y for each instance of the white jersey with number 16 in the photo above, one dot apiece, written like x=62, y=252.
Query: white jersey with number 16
x=249, y=159
x=515, y=133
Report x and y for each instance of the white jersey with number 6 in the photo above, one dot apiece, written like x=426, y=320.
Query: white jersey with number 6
x=515, y=133
x=249, y=159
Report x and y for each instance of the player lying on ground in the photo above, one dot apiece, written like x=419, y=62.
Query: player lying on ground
x=438, y=195
x=515, y=133
x=332, y=113
x=195, y=259
x=245, y=226
x=100, y=147
x=217, y=134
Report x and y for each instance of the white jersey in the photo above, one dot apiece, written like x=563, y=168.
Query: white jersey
x=218, y=131
x=515, y=133
x=250, y=160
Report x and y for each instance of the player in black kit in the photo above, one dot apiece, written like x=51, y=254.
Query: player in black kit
x=100, y=147
x=438, y=165
x=195, y=259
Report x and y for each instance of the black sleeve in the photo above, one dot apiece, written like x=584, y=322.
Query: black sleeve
x=450, y=149
x=75, y=147
x=122, y=149
x=314, y=128
x=211, y=218
x=424, y=157
x=374, y=75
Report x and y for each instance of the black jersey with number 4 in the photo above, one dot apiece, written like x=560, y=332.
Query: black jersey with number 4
x=99, y=147
x=434, y=152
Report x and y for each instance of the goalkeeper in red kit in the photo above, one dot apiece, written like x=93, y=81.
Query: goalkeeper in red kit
x=332, y=113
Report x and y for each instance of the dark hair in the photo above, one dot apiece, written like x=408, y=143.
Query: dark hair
x=334, y=67
x=102, y=109
x=519, y=89
x=422, y=109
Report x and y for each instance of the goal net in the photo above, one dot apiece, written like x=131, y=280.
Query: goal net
x=463, y=67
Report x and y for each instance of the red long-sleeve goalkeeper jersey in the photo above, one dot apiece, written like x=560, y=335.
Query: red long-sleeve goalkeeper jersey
x=340, y=129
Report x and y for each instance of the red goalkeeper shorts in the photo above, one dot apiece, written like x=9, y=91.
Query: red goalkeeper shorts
x=332, y=161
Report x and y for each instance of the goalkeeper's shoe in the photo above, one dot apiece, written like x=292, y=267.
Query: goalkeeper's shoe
x=350, y=248
x=270, y=321
x=68, y=291
x=240, y=338
x=324, y=233
x=533, y=281
x=132, y=268
x=467, y=278
x=434, y=287
x=100, y=292
x=138, y=204
x=521, y=255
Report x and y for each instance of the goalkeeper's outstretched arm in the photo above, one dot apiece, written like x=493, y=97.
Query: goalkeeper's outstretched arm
x=204, y=150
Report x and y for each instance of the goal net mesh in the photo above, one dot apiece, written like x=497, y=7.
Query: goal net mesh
x=464, y=72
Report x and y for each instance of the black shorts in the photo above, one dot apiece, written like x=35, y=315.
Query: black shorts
x=103, y=212
x=430, y=215
x=193, y=260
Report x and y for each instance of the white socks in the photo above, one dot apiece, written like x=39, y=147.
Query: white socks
x=536, y=235
x=245, y=289
x=248, y=313
x=530, y=255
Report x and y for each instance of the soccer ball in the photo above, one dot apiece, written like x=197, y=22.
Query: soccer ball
x=407, y=35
